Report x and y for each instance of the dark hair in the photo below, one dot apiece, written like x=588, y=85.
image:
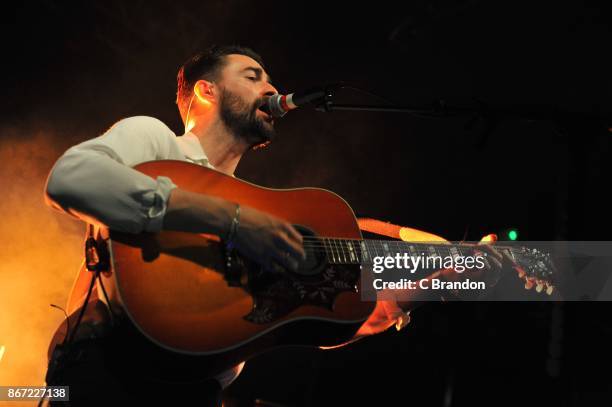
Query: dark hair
x=205, y=65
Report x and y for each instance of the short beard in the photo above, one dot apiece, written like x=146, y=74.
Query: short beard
x=242, y=121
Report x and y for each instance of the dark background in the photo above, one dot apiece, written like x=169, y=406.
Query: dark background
x=73, y=68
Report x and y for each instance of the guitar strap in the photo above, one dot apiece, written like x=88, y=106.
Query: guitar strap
x=97, y=260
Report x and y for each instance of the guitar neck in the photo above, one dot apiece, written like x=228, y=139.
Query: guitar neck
x=357, y=251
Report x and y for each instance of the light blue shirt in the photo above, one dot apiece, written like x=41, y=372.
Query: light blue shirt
x=93, y=180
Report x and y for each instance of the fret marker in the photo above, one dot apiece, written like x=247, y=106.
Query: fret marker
x=364, y=251
x=413, y=251
x=454, y=252
x=351, y=252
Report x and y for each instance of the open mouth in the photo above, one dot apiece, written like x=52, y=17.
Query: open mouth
x=267, y=116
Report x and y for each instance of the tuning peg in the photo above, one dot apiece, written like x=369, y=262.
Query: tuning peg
x=539, y=286
x=550, y=289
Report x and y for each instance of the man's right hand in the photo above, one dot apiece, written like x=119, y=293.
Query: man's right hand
x=263, y=238
x=267, y=240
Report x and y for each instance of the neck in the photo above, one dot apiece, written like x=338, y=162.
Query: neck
x=355, y=251
x=222, y=148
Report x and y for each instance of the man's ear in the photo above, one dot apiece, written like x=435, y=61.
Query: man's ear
x=205, y=91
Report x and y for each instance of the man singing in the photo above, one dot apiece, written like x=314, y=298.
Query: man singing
x=219, y=96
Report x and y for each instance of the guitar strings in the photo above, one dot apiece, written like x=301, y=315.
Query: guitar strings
x=343, y=253
x=337, y=243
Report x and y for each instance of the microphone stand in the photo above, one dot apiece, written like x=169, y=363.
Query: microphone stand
x=440, y=109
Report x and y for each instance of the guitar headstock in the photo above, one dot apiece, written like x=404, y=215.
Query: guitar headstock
x=536, y=269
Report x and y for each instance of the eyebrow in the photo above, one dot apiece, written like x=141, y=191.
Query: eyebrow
x=258, y=72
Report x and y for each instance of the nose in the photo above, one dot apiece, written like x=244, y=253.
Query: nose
x=269, y=89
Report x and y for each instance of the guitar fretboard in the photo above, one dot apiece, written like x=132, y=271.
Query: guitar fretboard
x=355, y=251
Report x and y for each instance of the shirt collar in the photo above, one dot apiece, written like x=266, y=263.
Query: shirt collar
x=192, y=149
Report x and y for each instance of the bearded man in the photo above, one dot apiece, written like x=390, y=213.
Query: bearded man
x=220, y=95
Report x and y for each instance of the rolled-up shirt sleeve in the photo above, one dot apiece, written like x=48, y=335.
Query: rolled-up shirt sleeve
x=94, y=181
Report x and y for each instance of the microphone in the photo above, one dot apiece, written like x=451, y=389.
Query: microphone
x=278, y=105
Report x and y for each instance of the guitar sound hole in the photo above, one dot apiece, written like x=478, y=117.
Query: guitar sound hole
x=315, y=253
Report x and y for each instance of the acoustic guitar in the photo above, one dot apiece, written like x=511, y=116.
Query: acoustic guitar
x=191, y=294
